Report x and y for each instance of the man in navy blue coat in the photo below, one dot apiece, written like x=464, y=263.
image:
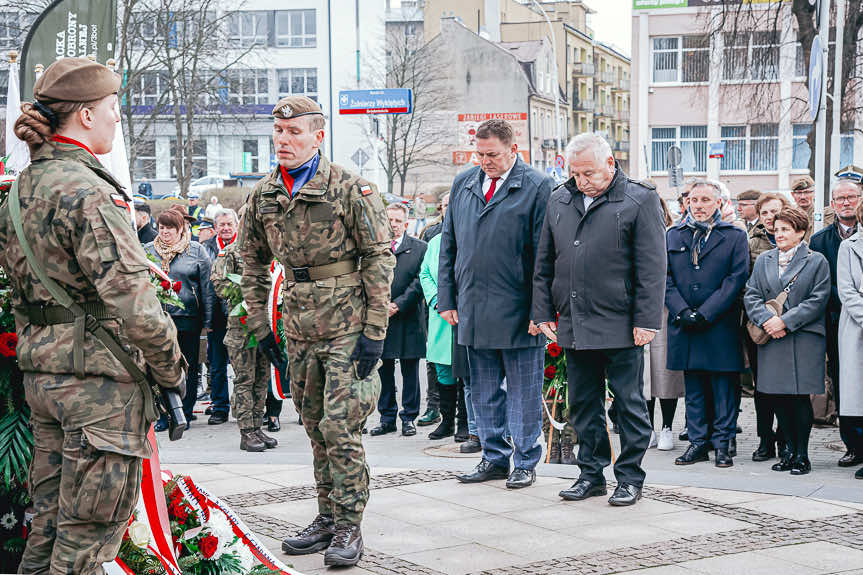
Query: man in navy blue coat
x=488, y=247
x=708, y=265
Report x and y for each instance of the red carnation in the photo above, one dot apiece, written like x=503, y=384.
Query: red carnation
x=208, y=546
x=278, y=315
x=243, y=319
x=550, y=371
x=178, y=286
x=552, y=392
x=180, y=511
x=8, y=342
x=554, y=350
x=166, y=285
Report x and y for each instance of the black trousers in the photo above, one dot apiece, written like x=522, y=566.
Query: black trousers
x=190, y=347
x=795, y=416
x=586, y=373
x=433, y=394
x=387, y=405
x=274, y=406
x=764, y=414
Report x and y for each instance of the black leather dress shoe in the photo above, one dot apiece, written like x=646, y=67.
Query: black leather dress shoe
x=312, y=539
x=722, y=458
x=209, y=411
x=218, y=418
x=520, y=478
x=472, y=445
x=684, y=435
x=383, y=429
x=273, y=424
x=693, y=454
x=582, y=489
x=625, y=494
x=801, y=466
x=408, y=428
x=484, y=471
x=766, y=450
x=783, y=465
x=850, y=459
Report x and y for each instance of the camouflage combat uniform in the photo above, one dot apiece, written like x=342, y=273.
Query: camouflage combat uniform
x=88, y=417
x=335, y=219
x=252, y=368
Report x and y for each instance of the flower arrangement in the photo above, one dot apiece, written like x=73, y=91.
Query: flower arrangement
x=205, y=542
x=233, y=294
x=554, y=386
x=167, y=291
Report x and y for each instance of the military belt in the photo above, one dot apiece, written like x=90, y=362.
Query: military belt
x=310, y=274
x=57, y=314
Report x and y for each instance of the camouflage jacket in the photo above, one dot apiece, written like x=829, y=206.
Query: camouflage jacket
x=336, y=216
x=75, y=217
x=229, y=261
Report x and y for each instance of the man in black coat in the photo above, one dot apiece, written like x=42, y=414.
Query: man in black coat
x=488, y=247
x=844, y=198
x=226, y=225
x=406, y=332
x=146, y=230
x=601, y=266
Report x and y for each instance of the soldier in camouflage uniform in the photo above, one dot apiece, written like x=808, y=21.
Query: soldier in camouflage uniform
x=251, y=366
x=320, y=221
x=88, y=416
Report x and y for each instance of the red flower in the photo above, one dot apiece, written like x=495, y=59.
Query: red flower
x=208, y=546
x=179, y=511
x=550, y=371
x=178, y=286
x=552, y=392
x=243, y=319
x=166, y=285
x=278, y=315
x=554, y=350
x=8, y=342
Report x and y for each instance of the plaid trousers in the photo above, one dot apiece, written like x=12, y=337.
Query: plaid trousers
x=515, y=405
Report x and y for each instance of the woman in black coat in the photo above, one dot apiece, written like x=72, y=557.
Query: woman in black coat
x=187, y=262
x=791, y=364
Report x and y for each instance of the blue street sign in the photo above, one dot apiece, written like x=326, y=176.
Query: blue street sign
x=389, y=101
x=816, y=63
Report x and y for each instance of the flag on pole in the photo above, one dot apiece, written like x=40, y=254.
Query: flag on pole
x=18, y=155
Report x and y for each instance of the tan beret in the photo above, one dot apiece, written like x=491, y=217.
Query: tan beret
x=749, y=195
x=296, y=106
x=75, y=80
x=802, y=183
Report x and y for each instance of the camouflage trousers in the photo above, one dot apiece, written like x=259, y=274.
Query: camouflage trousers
x=568, y=432
x=334, y=405
x=85, y=476
x=251, y=383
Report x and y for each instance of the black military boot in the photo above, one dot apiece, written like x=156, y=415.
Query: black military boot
x=249, y=441
x=314, y=538
x=555, y=452
x=269, y=442
x=346, y=547
x=567, y=457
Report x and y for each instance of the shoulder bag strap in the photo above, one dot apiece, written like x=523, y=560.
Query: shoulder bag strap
x=783, y=295
x=83, y=320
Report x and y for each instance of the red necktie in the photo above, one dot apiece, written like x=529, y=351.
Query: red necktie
x=393, y=246
x=491, y=189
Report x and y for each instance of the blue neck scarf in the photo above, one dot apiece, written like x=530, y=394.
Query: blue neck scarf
x=302, y=174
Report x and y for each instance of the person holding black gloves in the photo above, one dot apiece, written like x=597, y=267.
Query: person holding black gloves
x=329, y=229
x=708, y=264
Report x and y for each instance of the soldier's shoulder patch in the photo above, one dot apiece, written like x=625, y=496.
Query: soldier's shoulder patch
x=366, y=190
x=120, y=201
x=221, y=253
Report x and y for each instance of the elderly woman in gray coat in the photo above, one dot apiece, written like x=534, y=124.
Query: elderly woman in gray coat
x=849, y=283
x=791, y=363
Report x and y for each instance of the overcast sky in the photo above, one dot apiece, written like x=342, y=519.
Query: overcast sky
x=612, y=22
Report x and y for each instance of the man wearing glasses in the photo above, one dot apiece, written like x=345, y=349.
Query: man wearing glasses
x=844, y=198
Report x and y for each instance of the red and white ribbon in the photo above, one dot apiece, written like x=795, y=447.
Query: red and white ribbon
x=277, y=278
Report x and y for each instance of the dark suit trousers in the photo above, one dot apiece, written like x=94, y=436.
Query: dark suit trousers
x=586, y=373
x=387, y=405
x=711, y=407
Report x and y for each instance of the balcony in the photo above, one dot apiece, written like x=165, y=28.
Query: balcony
x=622, y=85
x=582, y=105
x=622, y=114
x=605, y=110
x=583, y=69
x=621, y=146
x=605, y=78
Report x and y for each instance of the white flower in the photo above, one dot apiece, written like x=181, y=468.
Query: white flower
x=8, y=521
x=139, y=533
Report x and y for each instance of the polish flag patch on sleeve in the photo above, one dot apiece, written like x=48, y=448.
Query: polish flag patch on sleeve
x=120, y=201
x=366, y=190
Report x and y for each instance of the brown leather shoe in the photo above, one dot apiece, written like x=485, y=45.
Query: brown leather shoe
x=249, y=441
x=346, y=548
x=269, y=442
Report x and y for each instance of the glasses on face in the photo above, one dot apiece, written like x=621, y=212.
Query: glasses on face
x=802, y=192
x=847, y=199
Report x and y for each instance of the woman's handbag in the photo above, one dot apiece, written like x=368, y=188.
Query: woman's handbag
x=756, y=332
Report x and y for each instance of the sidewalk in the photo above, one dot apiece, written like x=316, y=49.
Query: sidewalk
x=419, y=520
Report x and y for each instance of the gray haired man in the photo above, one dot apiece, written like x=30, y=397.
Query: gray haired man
x=600, y=265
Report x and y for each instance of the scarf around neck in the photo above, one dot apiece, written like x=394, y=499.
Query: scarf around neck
x=786, y=257
x=167, y=252
x=700, y=232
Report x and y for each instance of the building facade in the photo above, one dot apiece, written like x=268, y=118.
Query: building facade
x=734, y=101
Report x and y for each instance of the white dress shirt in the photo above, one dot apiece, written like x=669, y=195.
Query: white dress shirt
x=398, y=242
x=486, y=183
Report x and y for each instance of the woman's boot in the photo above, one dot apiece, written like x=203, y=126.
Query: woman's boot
x=447, y=408
x=461, y=433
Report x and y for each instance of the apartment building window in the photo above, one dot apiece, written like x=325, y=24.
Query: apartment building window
x=734, y=138
x=149, y=88
x=250, y=155
x=801, y=68
x=751, y=56
x=199, y=158
x=846, y=149
x=298, y=81
x=681, y=59
x=410, y=30
x=4, y=85
x=693, y=145
x=661, y=140
x=296, y=28
x=10, y=29
x=763, y=147
x=145, y=159
x=246, y=87
x=800, y=151
x=248, y=28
